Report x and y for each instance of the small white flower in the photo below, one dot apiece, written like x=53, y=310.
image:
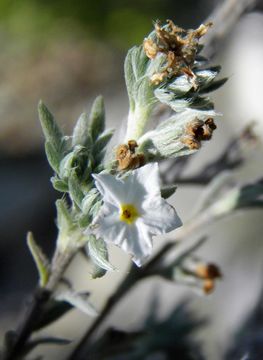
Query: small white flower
x=133, y=211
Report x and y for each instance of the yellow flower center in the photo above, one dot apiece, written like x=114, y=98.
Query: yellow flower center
x=128, y=213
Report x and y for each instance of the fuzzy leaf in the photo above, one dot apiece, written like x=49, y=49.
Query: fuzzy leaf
x=64, y=218
x=97, y=118
x=40, y=259
x=59, y=185
x=50, y=128
x=81, y=134
x=98, y=252
x=89, y=200
x=140, y=90
x=78, y=300
x=75, y=189
x=53, y=156
x=102, y=141
x=213, y=86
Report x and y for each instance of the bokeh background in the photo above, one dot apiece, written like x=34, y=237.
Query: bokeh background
x=66, y=53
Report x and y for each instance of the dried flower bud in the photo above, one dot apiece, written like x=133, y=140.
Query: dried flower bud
x=191, y=142
x=150, y=48
x=180, y=47
x=208, y=286
x=197, y=131
x=208, y=271
x=127, y=158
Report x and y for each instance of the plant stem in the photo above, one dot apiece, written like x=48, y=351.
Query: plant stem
x=39, y=300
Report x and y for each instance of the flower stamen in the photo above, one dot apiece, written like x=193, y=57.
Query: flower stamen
x=128, y=213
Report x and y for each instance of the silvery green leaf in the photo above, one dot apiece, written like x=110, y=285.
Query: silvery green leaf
x=181, y=85
x=213, y=86
x=205, y=77
x=165, y=140
x=64, y=219
x=202, y=103
x=139, y=87
x=53, y=156
x=101, y=143
x=75, y=191
x=98, y=252
x=84, y=220
x=95, y=208
x=173, y=100
x=40, y=259
x=97, y=118
x=246, y=196
x=168, y=191
x=66, y=165
x=78, y=300
x=59, y=185
x=92, y=196
x=50, y=128
x=81, y=135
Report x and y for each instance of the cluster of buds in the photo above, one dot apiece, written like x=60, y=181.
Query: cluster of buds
x=179, y=47
x=127, y=157
x=197, y=131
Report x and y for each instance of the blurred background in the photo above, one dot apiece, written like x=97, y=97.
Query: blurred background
x=66, y=53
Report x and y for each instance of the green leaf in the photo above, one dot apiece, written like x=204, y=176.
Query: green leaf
x=64, y=219
x=50, y=128
x=168, y=191
x=75, y=191
x=53, y=156
x=40, y=259
x=102, y=142
x=139, y=88
x=216, y=84
x=97, y=118
x=89, y=200
x=81, y=134
x=59, y=185
x=98, y=252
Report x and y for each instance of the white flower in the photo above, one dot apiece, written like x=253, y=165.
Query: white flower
x=133, y=211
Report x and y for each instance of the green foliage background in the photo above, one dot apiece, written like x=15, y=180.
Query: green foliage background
x=122, y=22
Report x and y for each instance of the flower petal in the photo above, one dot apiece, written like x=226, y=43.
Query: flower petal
x=137, y=242
x=160, y=217
x=112, y=189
